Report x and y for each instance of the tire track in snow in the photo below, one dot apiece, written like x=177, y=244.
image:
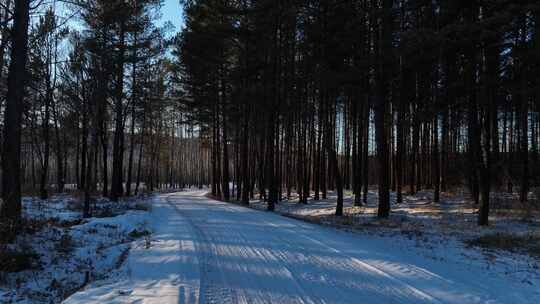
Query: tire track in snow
x=410, y=290
x=303, y=296
x=267, y=256
x=212, y=290
x=406, y=291
x=209, y=255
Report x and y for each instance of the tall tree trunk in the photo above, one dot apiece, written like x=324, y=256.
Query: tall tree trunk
x=338, y=180
x=244, y=157
x=140, y=158
x=225, y=164
x=117, y=188
x=132, y=127
x=43, y=193
x=60, y=153
x=381, y=108
x=365, y=152
x=11, y=153
x=436, y=168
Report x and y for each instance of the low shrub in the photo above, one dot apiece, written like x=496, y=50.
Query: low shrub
x=138, y=233
x=14, y=261
x=66, y=244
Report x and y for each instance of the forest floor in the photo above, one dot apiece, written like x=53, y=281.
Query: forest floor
x=58, y=252
x=454, y=216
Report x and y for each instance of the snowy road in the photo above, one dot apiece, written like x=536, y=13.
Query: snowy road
x=211, y=252
x=248, y=256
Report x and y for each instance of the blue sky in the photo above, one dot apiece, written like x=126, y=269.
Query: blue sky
x=172, y=11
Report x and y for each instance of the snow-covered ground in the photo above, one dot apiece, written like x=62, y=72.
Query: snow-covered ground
x=161, y=270
x=67, y=251
x=451, y=221
x=454, y=216
x=204, y=251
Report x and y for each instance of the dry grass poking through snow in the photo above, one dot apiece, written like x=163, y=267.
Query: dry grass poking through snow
x=523, y=244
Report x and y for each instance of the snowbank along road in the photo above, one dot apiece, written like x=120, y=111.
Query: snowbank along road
x=205, y=251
